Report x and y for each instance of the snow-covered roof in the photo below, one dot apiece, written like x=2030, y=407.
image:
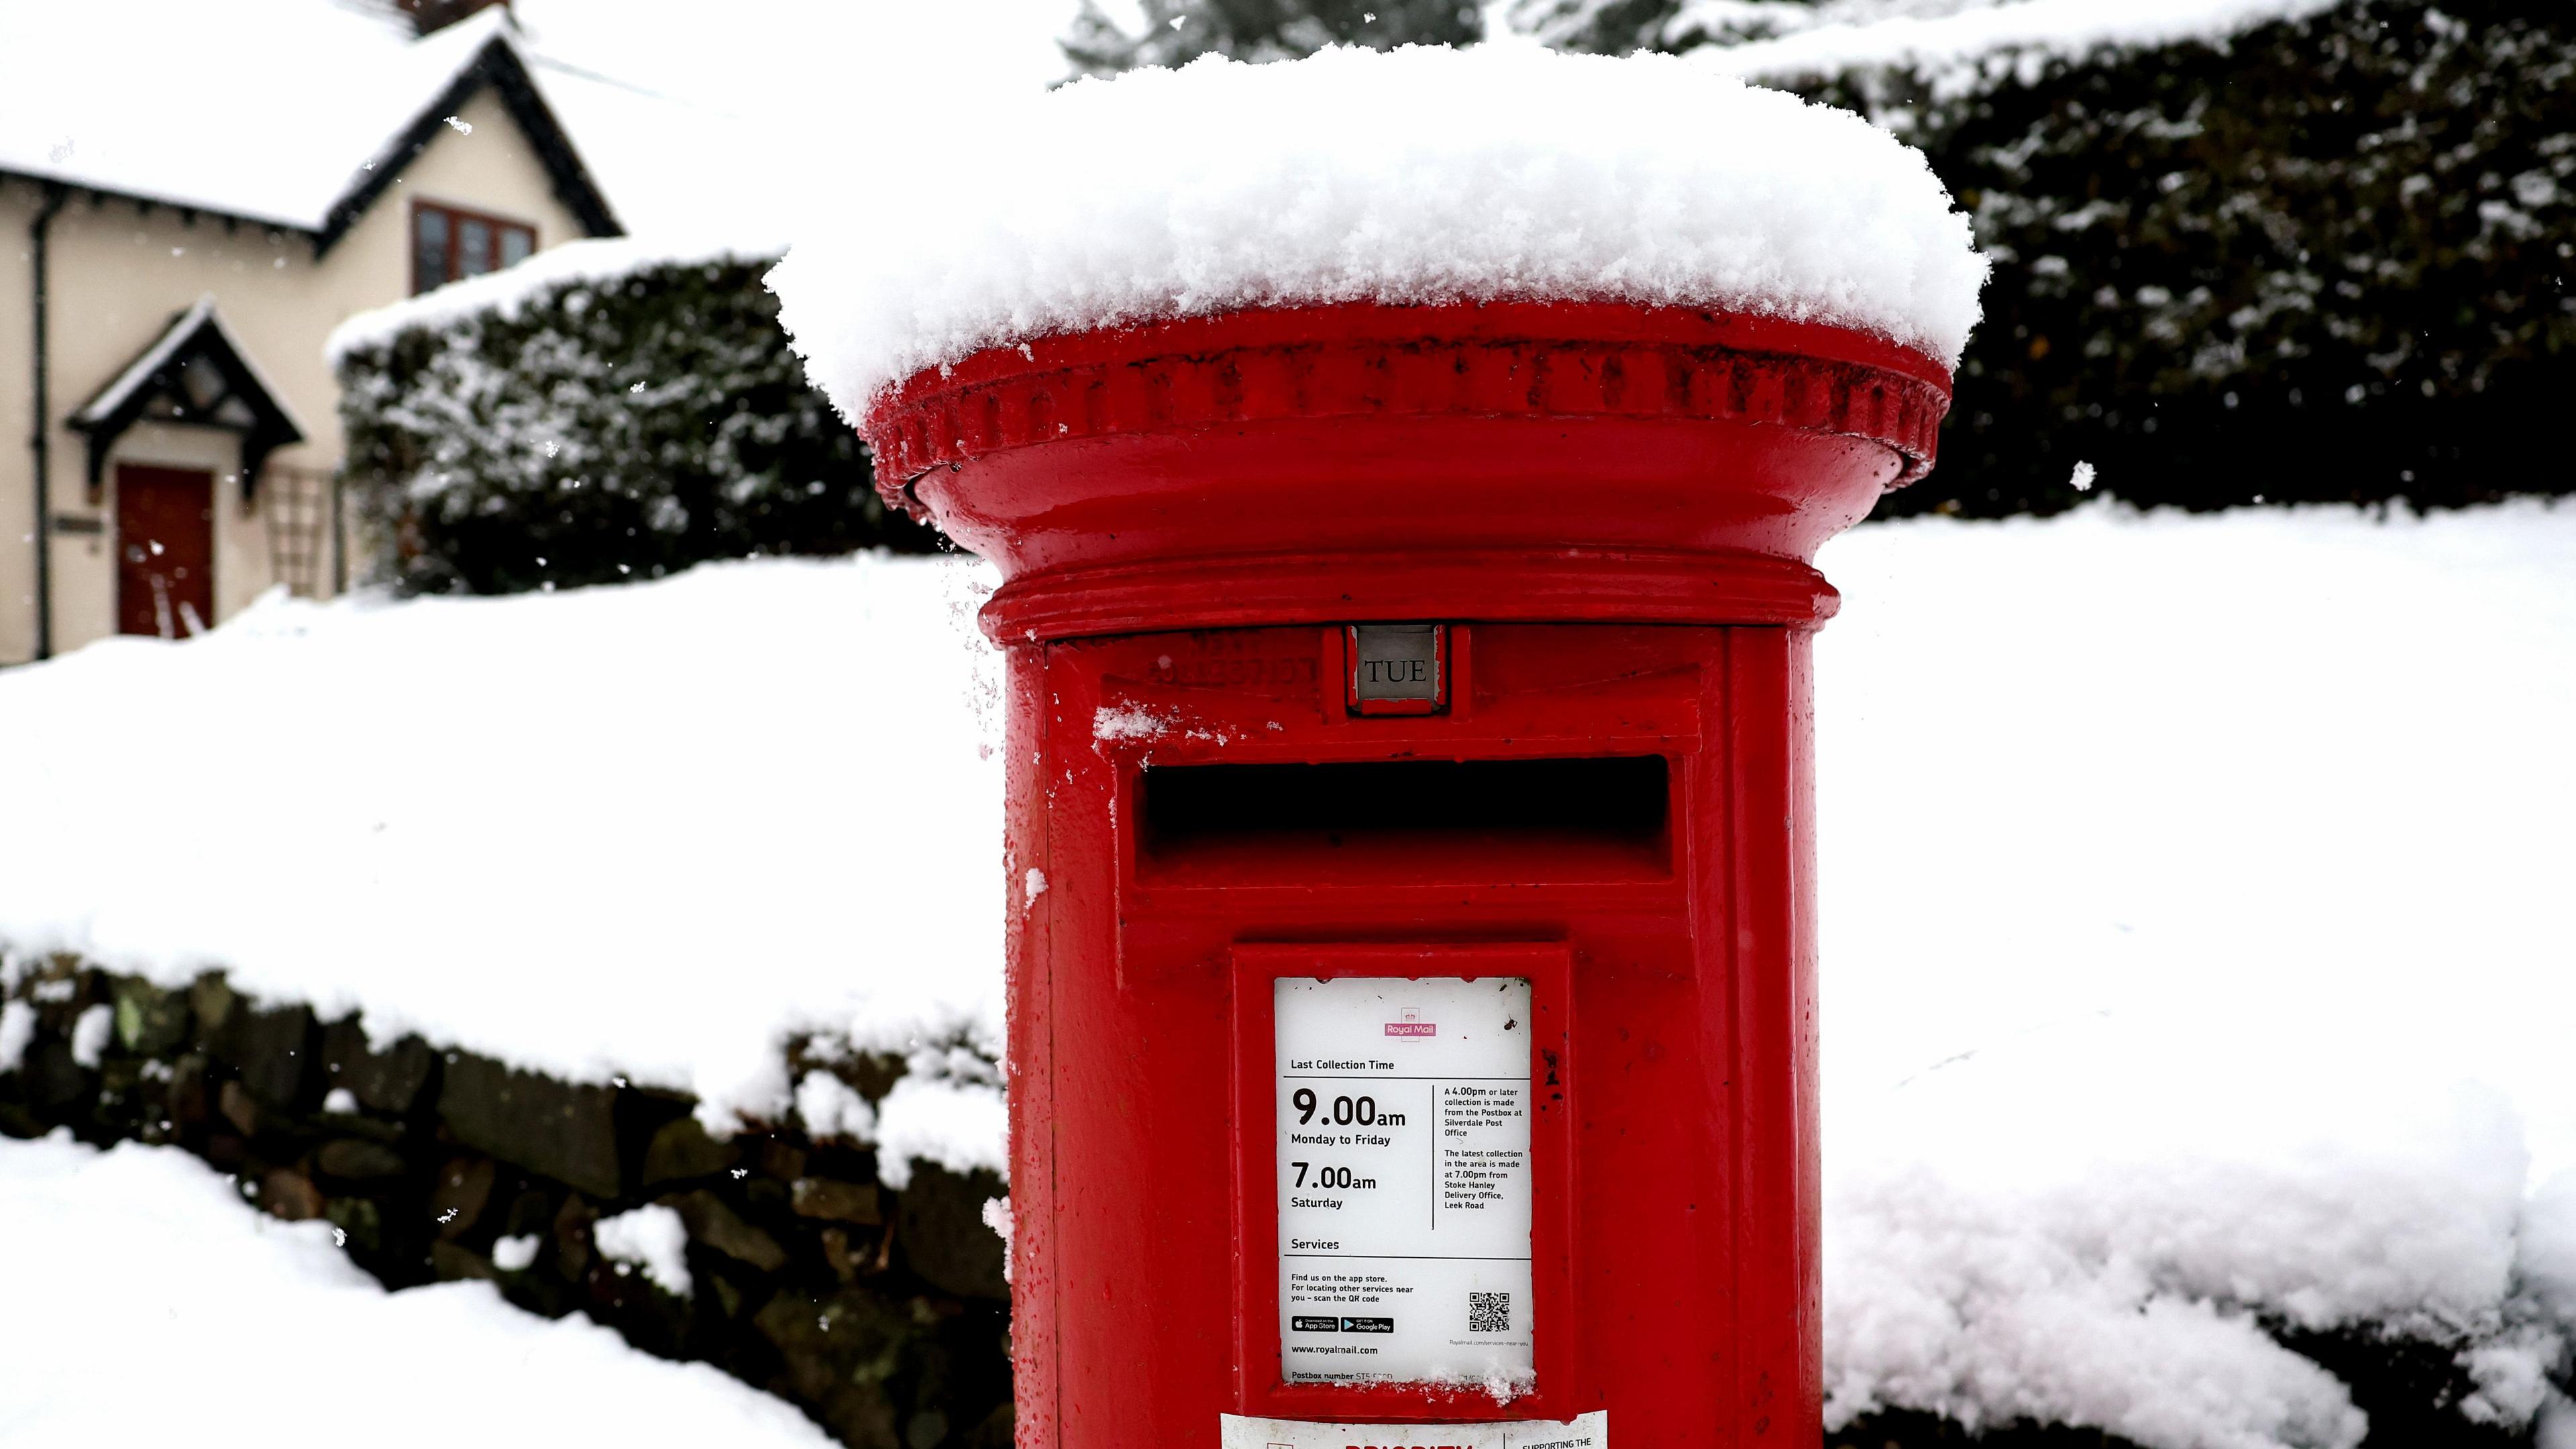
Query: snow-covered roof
x=293, y=113
x=1418, y=175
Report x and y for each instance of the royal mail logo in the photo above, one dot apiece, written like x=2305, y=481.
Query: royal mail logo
x=1412, y=1024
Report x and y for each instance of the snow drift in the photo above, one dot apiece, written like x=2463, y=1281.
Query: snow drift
x=144, y=1256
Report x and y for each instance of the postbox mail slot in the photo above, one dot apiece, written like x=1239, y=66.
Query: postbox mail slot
x=1407, y=821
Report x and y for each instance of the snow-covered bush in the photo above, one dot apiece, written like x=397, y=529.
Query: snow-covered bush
x=606, y=418
x=2275, y=249
x=1176, y=32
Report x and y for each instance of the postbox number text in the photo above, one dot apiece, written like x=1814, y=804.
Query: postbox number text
x=1403, y=1138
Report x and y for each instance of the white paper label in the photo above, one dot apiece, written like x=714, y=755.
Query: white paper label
x=1404, y=1180
x=1590, y=1431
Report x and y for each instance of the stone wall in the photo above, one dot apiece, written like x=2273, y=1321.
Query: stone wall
x=882, y=1313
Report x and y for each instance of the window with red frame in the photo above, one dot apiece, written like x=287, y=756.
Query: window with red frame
x=449, y=243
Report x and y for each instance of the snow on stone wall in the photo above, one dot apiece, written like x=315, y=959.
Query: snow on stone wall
x=790, y=1256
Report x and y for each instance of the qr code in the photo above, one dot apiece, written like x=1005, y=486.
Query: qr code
x=1489, y=1313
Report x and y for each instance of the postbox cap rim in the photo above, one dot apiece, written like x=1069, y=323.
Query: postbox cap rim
x=1526, y=321
x=1494, y=360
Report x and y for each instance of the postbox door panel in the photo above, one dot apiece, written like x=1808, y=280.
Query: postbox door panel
x=1638, y=786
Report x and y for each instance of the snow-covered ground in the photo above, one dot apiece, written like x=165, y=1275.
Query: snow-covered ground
x=147, y=1304
x=2196, y=933
x=641, y=832
x=2196, y=941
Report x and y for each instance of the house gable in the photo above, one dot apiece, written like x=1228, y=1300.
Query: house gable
x=385, y=103
x=498, y=69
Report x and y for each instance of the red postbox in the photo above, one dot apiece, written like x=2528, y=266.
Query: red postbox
x=1413, y=1016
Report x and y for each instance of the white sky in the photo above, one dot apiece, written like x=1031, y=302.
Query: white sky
x=776, y=99
x=810, y=61
x=784, y=99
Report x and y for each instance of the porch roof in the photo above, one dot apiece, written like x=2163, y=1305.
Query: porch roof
x=195, y=372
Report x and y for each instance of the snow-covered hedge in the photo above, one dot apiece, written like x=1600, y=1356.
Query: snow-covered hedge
x=1176, y=32
x=2275, y=249
x=600, y=413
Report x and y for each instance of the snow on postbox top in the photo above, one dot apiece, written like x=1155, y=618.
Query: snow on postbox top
x=1501, y=230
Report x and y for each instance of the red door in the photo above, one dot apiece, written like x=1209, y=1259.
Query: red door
x=165, y=551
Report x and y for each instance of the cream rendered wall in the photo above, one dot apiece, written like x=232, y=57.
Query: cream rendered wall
x=118, y=275
x=18, y=203
x=115, y=277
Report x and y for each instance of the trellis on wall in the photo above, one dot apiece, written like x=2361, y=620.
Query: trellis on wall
x=299, y=507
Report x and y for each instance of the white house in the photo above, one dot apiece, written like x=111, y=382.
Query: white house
x=196, y=202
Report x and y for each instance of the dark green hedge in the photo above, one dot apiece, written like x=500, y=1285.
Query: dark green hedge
x=2324, y=259
x=1177, y=32
x=603, y=431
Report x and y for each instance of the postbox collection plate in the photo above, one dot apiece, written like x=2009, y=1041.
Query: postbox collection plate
x=1403, y=1139
x=1403, y=1178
